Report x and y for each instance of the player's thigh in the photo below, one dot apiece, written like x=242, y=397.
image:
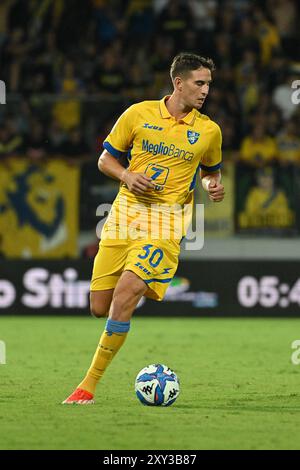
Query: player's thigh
x=100, y=302
x=155, y=262
x=108, y=267
x=128, y=292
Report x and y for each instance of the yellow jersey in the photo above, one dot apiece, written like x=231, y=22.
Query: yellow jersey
x=170, y=152
x=258, y=152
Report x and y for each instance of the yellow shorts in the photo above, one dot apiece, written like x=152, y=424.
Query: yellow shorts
x=154, y=261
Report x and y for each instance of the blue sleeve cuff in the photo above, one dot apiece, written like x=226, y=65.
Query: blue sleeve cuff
x=114, y=152
x=211, y=168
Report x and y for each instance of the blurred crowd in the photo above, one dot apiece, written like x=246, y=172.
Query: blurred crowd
x=57, y=56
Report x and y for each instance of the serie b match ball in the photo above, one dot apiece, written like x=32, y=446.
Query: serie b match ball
x=157, y=385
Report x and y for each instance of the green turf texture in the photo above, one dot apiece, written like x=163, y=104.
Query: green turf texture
x=239, y=388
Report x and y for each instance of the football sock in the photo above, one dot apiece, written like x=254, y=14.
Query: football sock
x=111, y=340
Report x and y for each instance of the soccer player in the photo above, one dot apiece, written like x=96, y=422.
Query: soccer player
x=167, y=143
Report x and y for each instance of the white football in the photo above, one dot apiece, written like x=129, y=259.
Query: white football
x=157, y=385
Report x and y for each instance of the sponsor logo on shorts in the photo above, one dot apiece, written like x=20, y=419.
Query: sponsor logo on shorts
x=142, y=268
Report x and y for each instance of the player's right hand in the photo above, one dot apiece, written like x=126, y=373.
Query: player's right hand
x=137, y=183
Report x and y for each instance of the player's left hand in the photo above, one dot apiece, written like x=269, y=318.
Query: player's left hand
x=216, y=191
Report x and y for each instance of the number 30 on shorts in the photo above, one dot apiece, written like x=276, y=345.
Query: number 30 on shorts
x=156, y=255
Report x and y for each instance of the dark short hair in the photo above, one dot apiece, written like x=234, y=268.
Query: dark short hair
x=185, y=62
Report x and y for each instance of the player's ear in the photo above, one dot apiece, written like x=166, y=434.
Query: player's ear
x=177, y=83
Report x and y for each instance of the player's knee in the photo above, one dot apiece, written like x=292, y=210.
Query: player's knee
x=100, y=303
x=98, y=311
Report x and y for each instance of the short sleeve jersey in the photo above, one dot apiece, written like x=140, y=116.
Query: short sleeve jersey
x=170, y=152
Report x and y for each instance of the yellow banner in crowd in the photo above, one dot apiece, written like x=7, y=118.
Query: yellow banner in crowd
x=38, y=209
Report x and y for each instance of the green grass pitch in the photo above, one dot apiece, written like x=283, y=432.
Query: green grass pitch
x=239, y=388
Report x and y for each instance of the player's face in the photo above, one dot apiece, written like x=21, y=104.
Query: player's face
x=195, y=87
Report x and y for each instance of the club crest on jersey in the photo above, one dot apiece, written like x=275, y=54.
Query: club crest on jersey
x=193, y=136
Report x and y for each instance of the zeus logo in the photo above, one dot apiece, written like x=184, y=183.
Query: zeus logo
x=2, y=92
x=166, y=271
x=150, y=126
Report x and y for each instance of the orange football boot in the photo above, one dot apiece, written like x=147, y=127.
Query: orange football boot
x=79, y=397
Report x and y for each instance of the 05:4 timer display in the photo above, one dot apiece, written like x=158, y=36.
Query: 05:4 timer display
x=268, y=292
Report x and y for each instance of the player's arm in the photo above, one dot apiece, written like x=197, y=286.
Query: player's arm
x=210, y=172
x=211, y=182
x=137, y=183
